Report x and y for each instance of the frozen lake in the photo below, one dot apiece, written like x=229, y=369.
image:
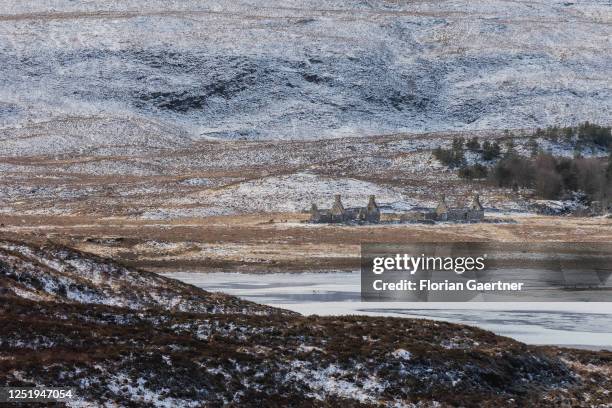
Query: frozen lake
x=586, y=325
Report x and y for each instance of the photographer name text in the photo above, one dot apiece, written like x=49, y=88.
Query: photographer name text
x=447, y=286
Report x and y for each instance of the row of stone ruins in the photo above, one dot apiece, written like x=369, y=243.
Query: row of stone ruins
x=370, y=214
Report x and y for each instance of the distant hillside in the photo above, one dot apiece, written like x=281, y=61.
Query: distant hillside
x=259, y=69
x=119, y=336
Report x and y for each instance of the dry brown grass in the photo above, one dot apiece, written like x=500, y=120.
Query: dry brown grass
x=271, y=242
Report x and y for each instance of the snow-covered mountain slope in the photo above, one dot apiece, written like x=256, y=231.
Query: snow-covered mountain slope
x=60, y=274
x=293, y=69
x=90, y=135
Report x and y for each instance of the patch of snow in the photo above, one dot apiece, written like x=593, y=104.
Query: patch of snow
x=402, y=354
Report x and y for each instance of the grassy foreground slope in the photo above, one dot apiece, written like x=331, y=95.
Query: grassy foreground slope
x=131, y=338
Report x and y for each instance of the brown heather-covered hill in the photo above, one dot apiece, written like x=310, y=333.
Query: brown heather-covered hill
x=131, y=338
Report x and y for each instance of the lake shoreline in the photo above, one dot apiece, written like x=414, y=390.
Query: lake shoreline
x=536, y=323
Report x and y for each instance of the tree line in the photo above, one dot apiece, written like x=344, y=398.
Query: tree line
x=455, y=156
x=550, y=177
x=585, y=134
x=555, y=177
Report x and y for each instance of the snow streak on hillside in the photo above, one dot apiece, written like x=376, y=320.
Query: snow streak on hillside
x=63, y=275
x=293, y=69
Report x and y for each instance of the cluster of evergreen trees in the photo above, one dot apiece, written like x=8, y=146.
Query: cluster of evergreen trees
x=585, y=134
x=455, y=156
x=551, y=177
x=477, y=171
x=555, y=177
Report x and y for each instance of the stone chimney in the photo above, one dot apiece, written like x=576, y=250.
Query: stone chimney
x=337, y=211
x=442, y=208
x=372, y=203
x=372, y=211
x=476, y=203
x=338, y=208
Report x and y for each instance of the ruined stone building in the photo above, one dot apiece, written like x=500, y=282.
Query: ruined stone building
x=371, y=214
x=338, y=214
x=319, y=216
x=473, y=213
